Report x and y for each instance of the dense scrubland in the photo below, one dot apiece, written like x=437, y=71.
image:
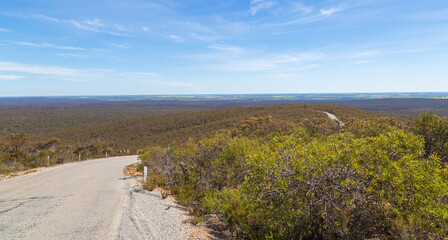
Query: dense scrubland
x=38, y=116
x=268, y=178
x=164, y=129
x=20, y=151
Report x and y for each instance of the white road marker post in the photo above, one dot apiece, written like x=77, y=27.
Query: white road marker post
x=145, y=173
x=79, y=157
x=106, y=154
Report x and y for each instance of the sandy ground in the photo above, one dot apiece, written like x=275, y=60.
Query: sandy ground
x=147, y=216
x=5, y=177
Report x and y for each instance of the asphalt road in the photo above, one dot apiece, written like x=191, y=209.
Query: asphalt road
x=73, y=201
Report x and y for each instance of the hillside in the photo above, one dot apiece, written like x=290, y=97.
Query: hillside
x=38, y=116
x=163, y=129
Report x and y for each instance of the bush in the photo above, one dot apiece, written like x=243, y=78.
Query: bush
x=367, y=179
x=340, y=187
x=434, y=129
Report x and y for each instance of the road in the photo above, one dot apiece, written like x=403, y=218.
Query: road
x=333, y=117
x=73, y=201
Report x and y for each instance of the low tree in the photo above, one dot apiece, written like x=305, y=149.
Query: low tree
x=17, y=141
x=434, y=130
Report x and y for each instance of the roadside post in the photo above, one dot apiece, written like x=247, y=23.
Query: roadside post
x=79, y=157
x=145, y=173
x=106, y=154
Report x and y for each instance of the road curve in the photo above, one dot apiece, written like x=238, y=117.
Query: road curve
x=73, y=201
x=334, y=118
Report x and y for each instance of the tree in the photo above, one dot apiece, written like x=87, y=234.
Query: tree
x=17, y=140
x=434, y=130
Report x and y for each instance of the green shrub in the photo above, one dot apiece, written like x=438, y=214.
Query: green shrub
x=340, y=187
x=434, y=129
x=365, y=180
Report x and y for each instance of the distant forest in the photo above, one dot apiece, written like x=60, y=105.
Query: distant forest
x=55, y=130
x=38, y=116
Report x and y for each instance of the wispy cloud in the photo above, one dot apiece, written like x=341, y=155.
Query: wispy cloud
x=364, y=54
x=3, y=30
x=175, y=38
x=285, y=63
x=97, y=26
x=39, y=69
x=300, y=7
x=257, y=5
x=73, y=74
x=227, y=48
x=10, y=77
x=171, y=84
x=66, y=55
x=47, y=45
x=33, y=16
x=328, y=12
x=119, y=45
x=288, y=13
x=93, y=25
x=95, y=22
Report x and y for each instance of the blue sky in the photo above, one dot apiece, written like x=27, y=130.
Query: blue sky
x=126, y=47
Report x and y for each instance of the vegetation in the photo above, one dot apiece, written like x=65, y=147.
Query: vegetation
x=269, y=172
x=21, y=151
x=17, y=153
x=163, y=129
x=42, y=116
x=434, y=130
x=274, y=179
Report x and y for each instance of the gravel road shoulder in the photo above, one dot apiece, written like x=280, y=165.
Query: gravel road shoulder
x=147, y=216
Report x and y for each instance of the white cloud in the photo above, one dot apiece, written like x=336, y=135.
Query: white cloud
x=145, y=29
x=120, y=27
x=38, y=69
x=47, y=45
x=47, y=18
x=65, y=55
x=280, y=63
x=299, y=7
x=3, y=30
x=257, y=5
x=365, y=54
x=174, y=84
x=34, y=16
x=73, y=74
x=175, y=38
x=330, y=11
x=227, y=48
x=94, y=22
x=98, y=27
x=119, y=45
x=10, y=77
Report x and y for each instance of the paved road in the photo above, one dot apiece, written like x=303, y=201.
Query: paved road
x=74, y=201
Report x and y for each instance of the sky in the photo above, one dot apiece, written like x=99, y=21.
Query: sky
x=147, y=47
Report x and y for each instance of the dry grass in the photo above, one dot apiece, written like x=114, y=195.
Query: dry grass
x=131, y=170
